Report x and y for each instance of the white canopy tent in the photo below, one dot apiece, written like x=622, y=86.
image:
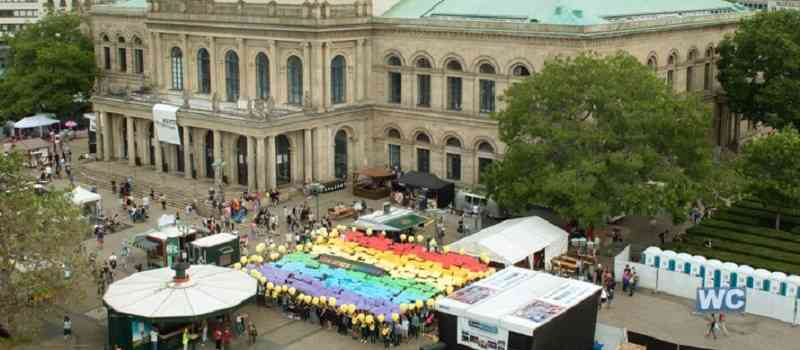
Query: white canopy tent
x=515, y=240
x=81, y=196
x=154, y=294
x=507, y=299
x=39, y=120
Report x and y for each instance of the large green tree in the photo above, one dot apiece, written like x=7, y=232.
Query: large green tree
x=40, y=237
x=51, y=66
x=593, y=137
x=759, y=68
x=770, y=168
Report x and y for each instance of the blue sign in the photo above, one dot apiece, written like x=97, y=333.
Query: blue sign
x=721, y=299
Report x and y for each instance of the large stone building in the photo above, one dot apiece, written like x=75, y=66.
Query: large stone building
x=295, y=91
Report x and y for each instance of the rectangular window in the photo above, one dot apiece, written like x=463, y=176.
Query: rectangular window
x=707, y=77
x=454, y=93
x=423, y=90
x=423, y=160
x=689, y=78
x=394, y=157
x=395, y=87
x=487, y=96
x=107, y=58
x=670, y=80
x=138, y=61
x=123, y=59
x=454, y=166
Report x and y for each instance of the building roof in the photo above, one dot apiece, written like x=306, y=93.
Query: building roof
x=127, y=4
x=560, y=12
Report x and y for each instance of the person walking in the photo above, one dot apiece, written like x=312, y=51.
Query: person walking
x=634, y=281
x=154, y=339
x=185, y=338
x=721, y=321
x=163, y=199
x=218, y=339
x=712, y=327
x=253, y=333
x=205, y=332
x=67, y=330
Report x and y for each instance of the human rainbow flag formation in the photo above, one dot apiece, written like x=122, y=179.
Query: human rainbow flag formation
x=363, y=272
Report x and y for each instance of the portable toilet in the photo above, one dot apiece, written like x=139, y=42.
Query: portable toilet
x=699, y=266
x=777, y=281
x=651, y=256
x=669, y=260
x=793, y=286
x=762, y=280
x=713, y=273
x=684, y=263
x=729, y=278
x=746, y=277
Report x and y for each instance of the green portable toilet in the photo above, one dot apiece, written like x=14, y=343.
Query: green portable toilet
x=221, y=249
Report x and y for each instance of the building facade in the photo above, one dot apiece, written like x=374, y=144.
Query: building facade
x=16, y=14
x=293, y=91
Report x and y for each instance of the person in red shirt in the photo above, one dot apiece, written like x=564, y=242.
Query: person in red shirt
x=227, y=336
x=218, y=339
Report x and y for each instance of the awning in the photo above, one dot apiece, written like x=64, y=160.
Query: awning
x=35, y=121
x=375, y=172
x=143, y=243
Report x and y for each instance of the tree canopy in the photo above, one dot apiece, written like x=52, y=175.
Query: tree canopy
x=759, y=68
x=770, y=169
x=51, y=63
x=593, y=137
x=40, y=237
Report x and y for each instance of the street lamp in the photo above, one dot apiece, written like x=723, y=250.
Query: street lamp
x=316, y=190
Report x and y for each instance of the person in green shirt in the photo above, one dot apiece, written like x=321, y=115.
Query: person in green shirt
x=185, y=338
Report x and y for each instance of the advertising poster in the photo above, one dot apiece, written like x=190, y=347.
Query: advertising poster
x=166, y=123
x=140, y=333
x=539, y=311
x=480, y=335
x=472, y=294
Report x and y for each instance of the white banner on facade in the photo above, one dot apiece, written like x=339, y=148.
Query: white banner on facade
x=165, y=121
x=92, y=121
x=481, y=335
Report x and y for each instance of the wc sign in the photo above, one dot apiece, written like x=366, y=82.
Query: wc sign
x=721, y=299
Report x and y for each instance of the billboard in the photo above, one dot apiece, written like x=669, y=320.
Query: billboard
x=721, y=299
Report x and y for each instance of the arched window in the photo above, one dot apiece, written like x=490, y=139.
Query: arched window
x=340, y=159
x=454, y=89
x=262, y=75
x=393, y=133
x=177, y=68
x=710, y=52
x=485, y=147
x=232, y=76
x=138, y=56
x=203, y=72
x=652, y=63
x=453, y=142
x=673, y=59
x=283, y=160
x=424, y=63
x=520, y=71
x=454, y=65
x=338, y=76
x=484, y=162
x=122, y=55
x=106, y=53
x=690, y=73
x=487, y=68
x=487, y=89
x=295, y=80
x=393, y=60
x=423, y=138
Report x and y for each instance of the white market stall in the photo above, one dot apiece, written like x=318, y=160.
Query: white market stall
x=39, y=121
x=520, y=309
x=88, y=201
x=516, y=240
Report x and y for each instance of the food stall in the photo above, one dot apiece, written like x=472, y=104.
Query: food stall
x=438, y=191
x=165, y=244
x=394, y=221
x=222, y=249
x=88, y=201
x=372, y=183
x=35, y=151
x=520, y=309
x=168, y=301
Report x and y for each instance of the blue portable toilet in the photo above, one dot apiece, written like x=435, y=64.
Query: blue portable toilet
x=713, y=273
x=793, y=286
x=762, y=282
x=684, y=263
x=670, y=260
x=651, y=256
x=746, y=276
x=698, y=266
x=729, y=275
x=777, y=281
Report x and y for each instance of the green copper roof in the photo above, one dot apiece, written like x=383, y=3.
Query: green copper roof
x=565, y=12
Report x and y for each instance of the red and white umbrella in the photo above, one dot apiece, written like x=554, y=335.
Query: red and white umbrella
x=70, y=124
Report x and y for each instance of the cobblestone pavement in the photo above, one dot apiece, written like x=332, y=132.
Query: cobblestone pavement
x=658, y=315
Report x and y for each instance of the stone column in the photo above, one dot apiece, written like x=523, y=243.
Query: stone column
x=308, y=156
x=187, y=153
x=262, y=164
x=141, y=142
x=317, y=154
x=218, y=154
x=172, y=157
x=272, y=181
x=200, y=152
x=131, y=141
x=274, y=61
x=321, y=87
x=158, y=62
x=306, y=73
x=99, y=137
x=105, y=125
x=212, y=63
x=120, y=135
x=158, y=150
x=231, y=157
x=244, y=73
x=187, y=69
x=367, y=50
x=360, y=67
x=251, y=164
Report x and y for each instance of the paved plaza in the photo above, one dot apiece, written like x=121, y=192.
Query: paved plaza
x=658, y=315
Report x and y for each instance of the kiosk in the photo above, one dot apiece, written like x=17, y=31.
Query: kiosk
x=222, y=249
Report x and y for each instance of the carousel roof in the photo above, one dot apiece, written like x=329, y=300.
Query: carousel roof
x=154, y=294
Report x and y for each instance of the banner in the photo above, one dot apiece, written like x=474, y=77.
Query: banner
x=480, y=335
x=166, y=125
x=92, y=121
x=721, y=299
x=347, y=264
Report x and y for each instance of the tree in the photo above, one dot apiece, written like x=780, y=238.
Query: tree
x=51, y=66
x=594, y=137
x=770, y=167
x=40, y=237
x=759, y=68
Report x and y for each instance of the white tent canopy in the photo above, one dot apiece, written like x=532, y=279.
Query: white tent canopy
x=35, y=121
x=154, y=294
x=512, y=241
x=81, y=196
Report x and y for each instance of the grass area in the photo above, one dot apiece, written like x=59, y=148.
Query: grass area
x=745, y=234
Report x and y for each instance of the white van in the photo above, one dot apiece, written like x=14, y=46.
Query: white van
x=466, y=201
